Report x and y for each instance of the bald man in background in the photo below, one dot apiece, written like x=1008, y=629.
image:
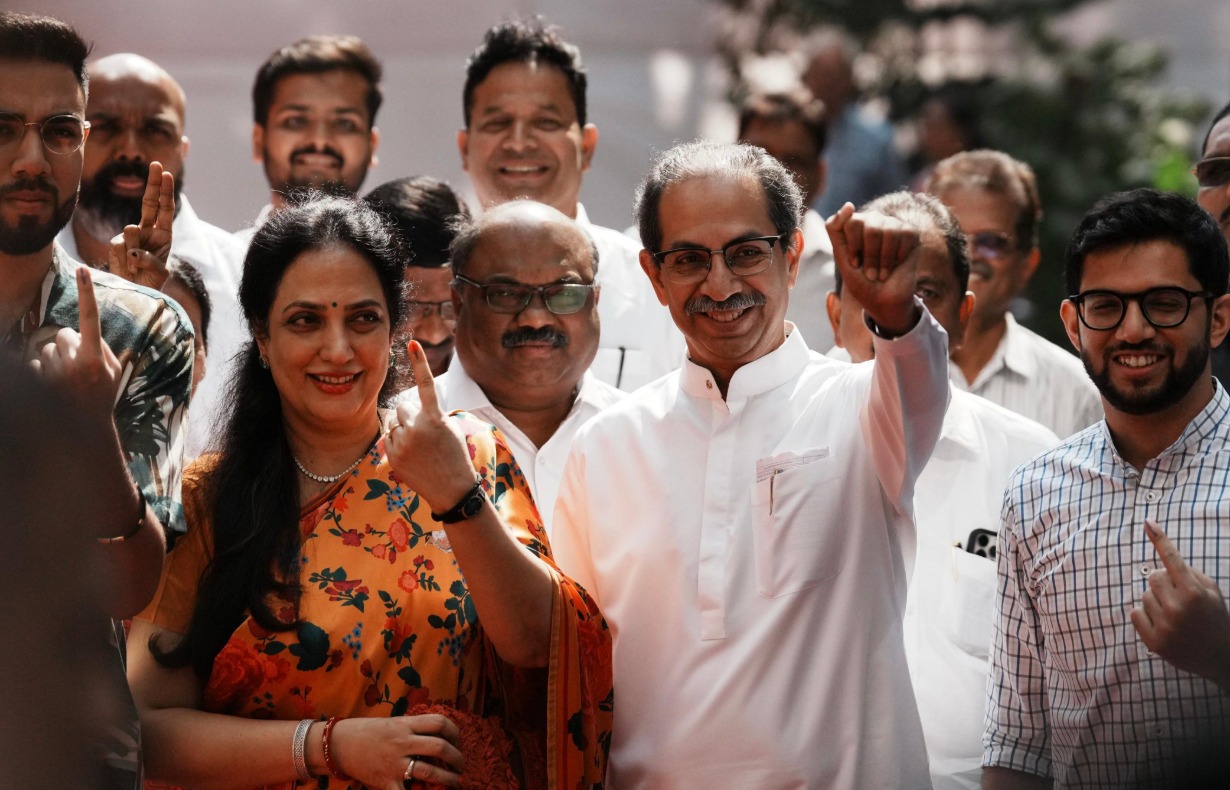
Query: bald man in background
x=136, y=112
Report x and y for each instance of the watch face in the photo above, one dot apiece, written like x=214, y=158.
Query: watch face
x=474, y=504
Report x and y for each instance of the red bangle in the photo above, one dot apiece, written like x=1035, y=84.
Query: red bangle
x=330, y=763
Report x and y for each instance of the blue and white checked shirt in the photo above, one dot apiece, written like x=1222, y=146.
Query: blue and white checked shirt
x=1074, y=694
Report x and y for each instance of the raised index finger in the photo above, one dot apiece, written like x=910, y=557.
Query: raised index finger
x=1178, y=569
x=423, y=379
x=150, y=200
x=87, y=310
x=166, y=202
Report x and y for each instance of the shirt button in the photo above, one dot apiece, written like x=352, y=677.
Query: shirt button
x=1145, y=569
x=1150, y=496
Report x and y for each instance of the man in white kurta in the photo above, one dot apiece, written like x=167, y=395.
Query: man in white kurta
x=745, y=522
x=948, y=613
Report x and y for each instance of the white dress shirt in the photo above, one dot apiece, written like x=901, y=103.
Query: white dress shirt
x=948, y=613
x=751, y=555
x=1034, y=377
x=218, y=256
x=639, y=340
x=542, y=466
x=817, y=276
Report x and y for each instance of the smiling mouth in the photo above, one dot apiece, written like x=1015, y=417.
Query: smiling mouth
x=334, y=380
x=522, y=170
x=725, y=316
x=1138, y=360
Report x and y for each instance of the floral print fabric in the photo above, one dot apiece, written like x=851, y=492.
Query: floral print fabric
x=388, y=627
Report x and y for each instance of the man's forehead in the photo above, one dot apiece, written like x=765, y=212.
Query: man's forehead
x=1219, y=139
x=543, y=84
x=515, y=244
x=337, y=91
x=683, y=209
x=39, y=87
x=131, y=93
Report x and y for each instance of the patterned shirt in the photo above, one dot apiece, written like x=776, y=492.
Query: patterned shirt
x=1074, y=693
x=152, y=338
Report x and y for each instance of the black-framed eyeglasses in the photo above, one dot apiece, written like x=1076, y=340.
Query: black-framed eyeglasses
x=559, y=298
x=61, y=134
x=1213, y=172
x=991, y=245
x=744, y=258
x=422, y=311
x=1164, y=307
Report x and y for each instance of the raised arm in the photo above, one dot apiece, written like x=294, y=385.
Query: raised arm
x=877, y=257
x=513, y=591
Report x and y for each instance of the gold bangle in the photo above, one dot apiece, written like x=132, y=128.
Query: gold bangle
x=135, y=527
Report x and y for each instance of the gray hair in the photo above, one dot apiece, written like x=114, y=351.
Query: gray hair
x=706, y=158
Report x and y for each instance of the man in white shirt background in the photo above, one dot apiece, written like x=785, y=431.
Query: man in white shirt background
x=995, y=201
x=791, y=127
x=744, y=522
x=527, y=332
x=948, y=614
x=314, y=106
x=527, y=135
x=137, y=114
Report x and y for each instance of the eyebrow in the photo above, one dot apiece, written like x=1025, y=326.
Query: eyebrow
x=307, y=108
x=303, y=304
x=572, y=278
x=684, y=243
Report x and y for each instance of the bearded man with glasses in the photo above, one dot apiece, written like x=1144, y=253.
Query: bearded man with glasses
x=1111, y=659
x=525, y=303
x=995, y=201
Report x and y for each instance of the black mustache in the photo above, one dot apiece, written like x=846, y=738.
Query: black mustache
x=312, y=149
x=739, y=301
x=113, y=170
x=31, y=185
x=526, y=335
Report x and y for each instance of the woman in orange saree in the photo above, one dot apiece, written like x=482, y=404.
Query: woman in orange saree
x=355, y=630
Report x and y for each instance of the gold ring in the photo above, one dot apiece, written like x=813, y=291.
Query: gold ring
x=409, y=774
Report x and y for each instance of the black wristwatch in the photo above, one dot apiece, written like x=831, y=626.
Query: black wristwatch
x=468, y=507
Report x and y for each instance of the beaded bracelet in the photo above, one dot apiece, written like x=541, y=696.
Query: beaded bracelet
x=330, y=763
x=298, y=749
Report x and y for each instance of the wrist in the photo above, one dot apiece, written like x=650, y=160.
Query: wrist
x=315, y=752
x=130, y=529
x=466, y=506
x=890, y=325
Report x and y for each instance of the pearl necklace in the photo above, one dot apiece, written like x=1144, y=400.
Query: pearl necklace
x=341, y=474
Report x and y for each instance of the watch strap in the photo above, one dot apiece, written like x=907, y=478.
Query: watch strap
x=468, y=507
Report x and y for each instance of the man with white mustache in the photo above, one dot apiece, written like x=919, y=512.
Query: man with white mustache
x=745, y=523
x=995, y=201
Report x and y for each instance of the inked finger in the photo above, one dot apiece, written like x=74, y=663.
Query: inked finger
x=87, y=311
x=150, y=200
x=166, y=201
x=1169, y=553
x=423, y=379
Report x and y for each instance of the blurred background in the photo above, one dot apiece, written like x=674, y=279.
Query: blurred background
x=1096, y=96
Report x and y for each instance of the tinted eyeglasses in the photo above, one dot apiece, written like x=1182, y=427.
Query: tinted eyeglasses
x=991, y=245
x=1162, y=307
x=1213, y=172
x=744, y=258
x=422, y=311
x=61, y=134
x=559, y=298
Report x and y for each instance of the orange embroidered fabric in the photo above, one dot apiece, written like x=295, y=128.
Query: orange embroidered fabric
x=388, y=628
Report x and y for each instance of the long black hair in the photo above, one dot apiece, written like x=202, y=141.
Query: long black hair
x=252, y=495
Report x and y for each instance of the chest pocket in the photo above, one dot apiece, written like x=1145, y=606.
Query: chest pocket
x=967, y=602
x=798, y=537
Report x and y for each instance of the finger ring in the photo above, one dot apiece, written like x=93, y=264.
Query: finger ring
x=409, y=774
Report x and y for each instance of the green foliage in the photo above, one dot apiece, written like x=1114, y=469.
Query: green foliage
x=1090, y=120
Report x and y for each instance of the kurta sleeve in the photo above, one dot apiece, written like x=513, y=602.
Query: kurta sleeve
x=175, y=600
x=579, y=675
x=904, y=413
x=1017, y=731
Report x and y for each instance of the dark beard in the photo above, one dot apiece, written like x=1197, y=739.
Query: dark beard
x=29, y=236
x=1176, y=385
x=109, y=213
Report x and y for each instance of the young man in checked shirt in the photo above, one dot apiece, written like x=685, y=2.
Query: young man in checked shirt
x=1111, y=658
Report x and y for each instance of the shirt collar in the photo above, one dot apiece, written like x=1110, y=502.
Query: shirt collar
x=1013, y=352
x=754, y=378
